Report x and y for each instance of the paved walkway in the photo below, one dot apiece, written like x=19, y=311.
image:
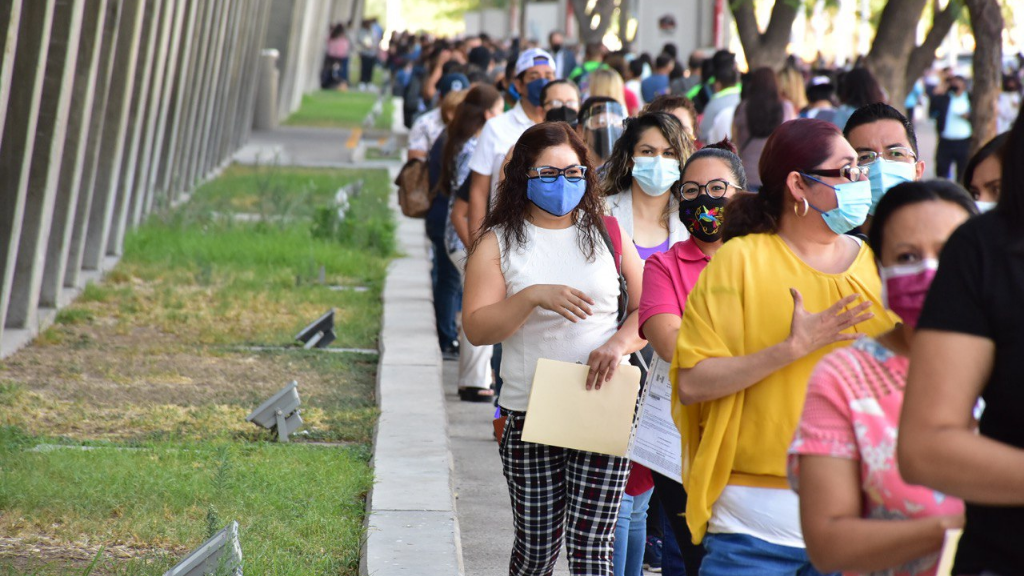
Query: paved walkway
x=424, y=456
x=481, y=496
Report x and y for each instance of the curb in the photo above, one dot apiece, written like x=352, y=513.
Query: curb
x=411, y=525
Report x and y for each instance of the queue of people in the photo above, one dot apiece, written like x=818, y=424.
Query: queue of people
x=771, y=251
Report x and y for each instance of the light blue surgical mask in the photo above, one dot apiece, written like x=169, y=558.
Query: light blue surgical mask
x=853, y=200
x=984, y=206
x=885, y=174
x=655, y=174
x=557, y=198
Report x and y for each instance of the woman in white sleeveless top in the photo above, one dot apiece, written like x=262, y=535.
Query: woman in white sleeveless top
x=542, y=281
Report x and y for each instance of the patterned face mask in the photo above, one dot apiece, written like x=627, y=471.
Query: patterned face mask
x=703, y=217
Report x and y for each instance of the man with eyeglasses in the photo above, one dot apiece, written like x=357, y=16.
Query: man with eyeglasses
x=886, y=144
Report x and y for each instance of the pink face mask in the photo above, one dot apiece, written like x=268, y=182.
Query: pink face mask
x=905, y=287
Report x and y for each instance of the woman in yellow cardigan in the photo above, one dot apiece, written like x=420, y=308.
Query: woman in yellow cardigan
x=788, y=286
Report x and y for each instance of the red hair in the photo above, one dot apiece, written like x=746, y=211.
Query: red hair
x=795, y=146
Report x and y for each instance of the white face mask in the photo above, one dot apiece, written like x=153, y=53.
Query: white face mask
x=655, y=174
x=984, y=206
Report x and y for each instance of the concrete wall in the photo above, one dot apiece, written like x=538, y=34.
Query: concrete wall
x=111, y=109
x=298, y=29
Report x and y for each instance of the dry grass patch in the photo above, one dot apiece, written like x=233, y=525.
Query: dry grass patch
x=144, y=383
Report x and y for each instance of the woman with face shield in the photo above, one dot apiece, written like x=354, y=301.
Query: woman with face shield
x=600, y=125
x=641, y=176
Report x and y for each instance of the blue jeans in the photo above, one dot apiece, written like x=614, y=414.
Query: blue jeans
x=742, y=555
x=447, y=284
x=631, y=534
x=672, y=563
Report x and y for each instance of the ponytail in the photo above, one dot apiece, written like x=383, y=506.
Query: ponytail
x=795, y=146
x=748, y=213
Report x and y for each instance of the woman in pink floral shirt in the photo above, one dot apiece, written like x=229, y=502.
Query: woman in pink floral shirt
x=857, y=513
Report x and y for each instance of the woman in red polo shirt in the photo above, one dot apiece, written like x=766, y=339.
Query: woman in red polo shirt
x=710, y=177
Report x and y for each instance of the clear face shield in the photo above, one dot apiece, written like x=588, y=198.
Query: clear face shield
x=602, y=126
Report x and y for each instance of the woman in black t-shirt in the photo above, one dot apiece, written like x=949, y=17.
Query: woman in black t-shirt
x=970, y=342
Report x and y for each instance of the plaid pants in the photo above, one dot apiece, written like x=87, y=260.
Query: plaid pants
x=557, y=490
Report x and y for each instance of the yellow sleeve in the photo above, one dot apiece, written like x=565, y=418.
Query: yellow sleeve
x=713, y=322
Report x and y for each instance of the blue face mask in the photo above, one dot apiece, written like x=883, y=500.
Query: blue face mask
x=557, y=198
x=655, y=174
x=513, y=92
x=884, y=174
x=853, y=202
x=533, y=90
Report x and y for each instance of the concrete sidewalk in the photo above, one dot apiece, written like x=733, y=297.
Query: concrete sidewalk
x=481, y=495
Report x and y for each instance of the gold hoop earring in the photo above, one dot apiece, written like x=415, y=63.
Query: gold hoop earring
x=807, y=207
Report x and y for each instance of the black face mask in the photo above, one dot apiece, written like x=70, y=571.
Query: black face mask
x=561, y=114
x=704, y=217
x=556, y=47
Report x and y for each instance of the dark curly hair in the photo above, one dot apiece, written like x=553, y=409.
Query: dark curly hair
x=511, y=208
x=618, y=169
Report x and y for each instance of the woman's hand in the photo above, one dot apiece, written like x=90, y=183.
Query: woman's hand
x=603, y=362
x=809, y=332
x=950, y=522
x=570, y=303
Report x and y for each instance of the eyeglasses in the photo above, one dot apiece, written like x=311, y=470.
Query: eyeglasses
x=549, y=174
x=714, y=189
x=550, y=104
x=894, y=154
x=850, y=172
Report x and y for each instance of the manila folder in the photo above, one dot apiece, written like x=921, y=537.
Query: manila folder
x=562, y=412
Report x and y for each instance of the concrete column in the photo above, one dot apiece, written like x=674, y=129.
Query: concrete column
x=240, y=76
x=200, y=160
x=290, y=57
x=70, y=186
x=168, y=12
x=265, y=24
x=245, y=122
x=18, y=139
x=140, y=103
x=10, y=18
x=115, y=134
x=183, y=171
x=83, y=213
x=208, y=158
x=303, y=55
x=47, y=158
x=181, y=97
x=234, y=47
x=165, y=115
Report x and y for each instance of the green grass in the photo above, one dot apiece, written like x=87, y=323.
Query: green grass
x=149, y=368
x=299, y=507
x=333, y=109
x=383, y=122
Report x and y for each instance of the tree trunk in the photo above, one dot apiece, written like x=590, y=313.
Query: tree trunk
x=603, y=8
x=894, y=41
x=987, y=25
x=626, y=11
x=767, y=48
x=894, y=59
